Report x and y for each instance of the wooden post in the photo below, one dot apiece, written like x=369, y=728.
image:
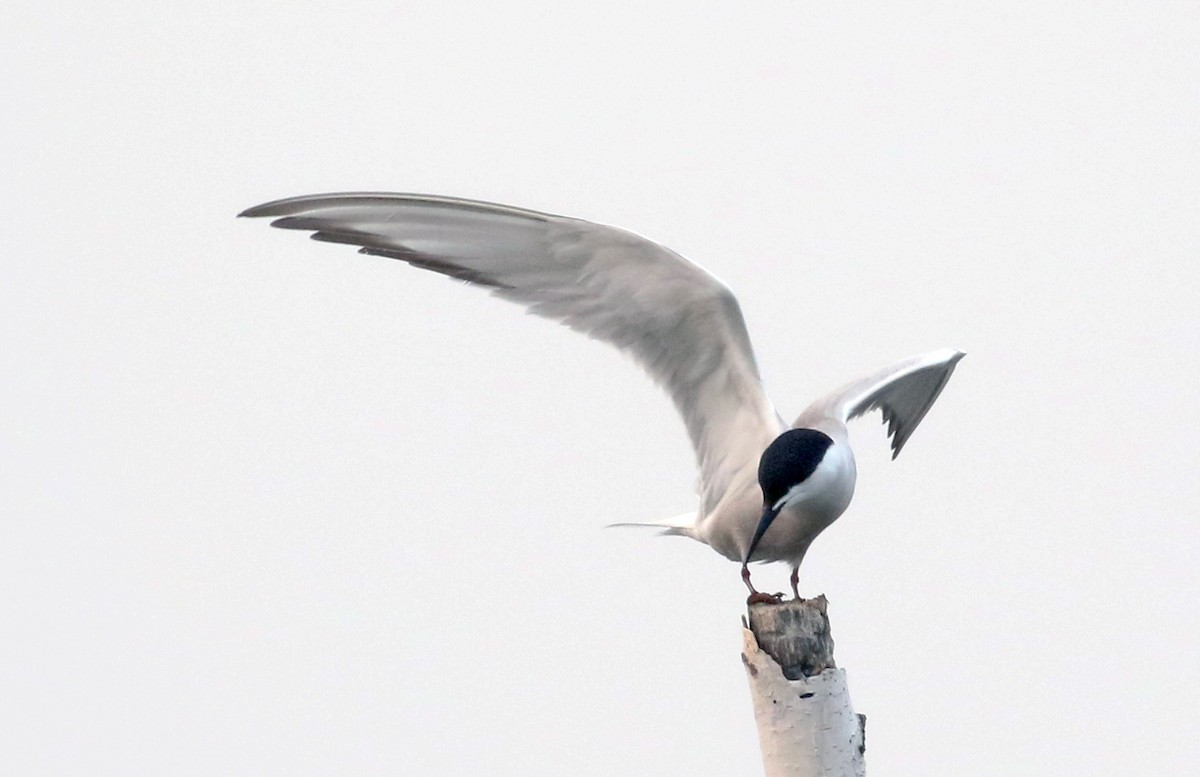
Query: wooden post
x=806, y=725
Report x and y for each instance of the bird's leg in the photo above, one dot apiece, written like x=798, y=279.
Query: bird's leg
x=756, y=597
x=746, y=579
x=795, y=579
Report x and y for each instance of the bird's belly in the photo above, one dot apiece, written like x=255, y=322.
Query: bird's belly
x=794, y=529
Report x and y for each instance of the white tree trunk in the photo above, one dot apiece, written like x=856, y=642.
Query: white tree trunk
x=806, y=725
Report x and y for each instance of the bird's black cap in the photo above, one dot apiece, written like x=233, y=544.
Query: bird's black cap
x=790, y=459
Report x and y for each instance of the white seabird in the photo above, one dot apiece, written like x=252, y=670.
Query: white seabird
x=767, y=489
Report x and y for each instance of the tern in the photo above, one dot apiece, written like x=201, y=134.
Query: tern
x=767, y=488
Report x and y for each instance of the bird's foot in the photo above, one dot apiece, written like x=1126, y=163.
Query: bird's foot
x=756, y=596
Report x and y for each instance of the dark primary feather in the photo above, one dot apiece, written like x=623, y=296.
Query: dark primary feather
x=903, y=392
x=904, y=402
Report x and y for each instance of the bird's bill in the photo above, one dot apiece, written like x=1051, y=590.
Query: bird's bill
x=768, y=515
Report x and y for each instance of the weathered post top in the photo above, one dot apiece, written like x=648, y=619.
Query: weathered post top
x=796, y=634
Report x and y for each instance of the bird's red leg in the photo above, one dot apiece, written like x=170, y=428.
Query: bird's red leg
x=796, y=582
x=756, y=597
x=746, y=579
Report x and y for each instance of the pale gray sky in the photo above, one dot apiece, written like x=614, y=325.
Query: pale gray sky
x=272, y=508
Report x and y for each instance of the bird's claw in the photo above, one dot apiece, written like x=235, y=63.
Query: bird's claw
x=758, y=597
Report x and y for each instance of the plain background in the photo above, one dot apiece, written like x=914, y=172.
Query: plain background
x=272, y=508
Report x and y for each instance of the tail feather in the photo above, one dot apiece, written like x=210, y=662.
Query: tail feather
x=678, y=526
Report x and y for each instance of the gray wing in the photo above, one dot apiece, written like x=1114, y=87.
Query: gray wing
x=903, y=393
x=679, y=322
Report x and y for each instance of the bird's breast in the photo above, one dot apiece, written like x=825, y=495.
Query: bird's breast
x=813, y=505
x=828, y=491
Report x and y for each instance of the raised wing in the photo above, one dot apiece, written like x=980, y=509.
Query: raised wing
x=903, y=392
x=680, y=323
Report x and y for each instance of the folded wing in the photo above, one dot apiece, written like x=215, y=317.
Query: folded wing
x=679, y=322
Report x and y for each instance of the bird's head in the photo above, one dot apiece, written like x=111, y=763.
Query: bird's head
x=784, y=467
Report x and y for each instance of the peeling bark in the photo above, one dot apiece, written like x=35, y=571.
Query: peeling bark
x=806, y=724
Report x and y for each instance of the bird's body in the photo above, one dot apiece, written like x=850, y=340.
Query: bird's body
x=826, y=495
x=767, y=489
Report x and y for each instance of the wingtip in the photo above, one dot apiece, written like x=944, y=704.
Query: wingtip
x=308, y=202
x=264, y=209
x=289, y=206
x=256, y=211
x=947, y=355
